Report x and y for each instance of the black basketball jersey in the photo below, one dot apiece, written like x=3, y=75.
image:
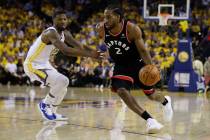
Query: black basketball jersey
x=121, y=50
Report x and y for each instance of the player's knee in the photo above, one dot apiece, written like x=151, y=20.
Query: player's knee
x=63, y=81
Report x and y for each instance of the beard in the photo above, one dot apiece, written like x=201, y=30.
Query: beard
x=61, y=28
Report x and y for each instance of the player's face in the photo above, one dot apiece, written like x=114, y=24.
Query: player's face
x=110, y=19
x=61, y=21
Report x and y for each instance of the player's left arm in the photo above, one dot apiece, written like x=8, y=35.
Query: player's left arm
x=135, y=35
x=69, y=39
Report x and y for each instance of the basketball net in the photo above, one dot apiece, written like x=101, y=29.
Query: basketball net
x=163, y=18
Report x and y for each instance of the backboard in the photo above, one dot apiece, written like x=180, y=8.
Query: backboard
x=177, y=9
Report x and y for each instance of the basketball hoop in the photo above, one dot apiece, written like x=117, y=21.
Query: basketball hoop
x=163, y=18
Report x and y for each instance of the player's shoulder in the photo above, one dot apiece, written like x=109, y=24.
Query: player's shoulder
x=132, y=26
x=49, y=31
x=133, y=30
x=49, y=34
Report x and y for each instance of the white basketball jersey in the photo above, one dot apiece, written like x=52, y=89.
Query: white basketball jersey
x=39, y=53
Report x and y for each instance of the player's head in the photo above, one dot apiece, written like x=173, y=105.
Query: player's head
x=112, y=16
x=60, y=19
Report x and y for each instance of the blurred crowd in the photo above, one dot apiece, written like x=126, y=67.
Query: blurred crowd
x=22, y=23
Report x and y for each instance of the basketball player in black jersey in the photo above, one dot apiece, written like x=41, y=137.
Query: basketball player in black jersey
x=126, y=48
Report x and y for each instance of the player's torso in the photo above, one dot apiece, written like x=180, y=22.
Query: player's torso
x=121, y=50
x=40, y=52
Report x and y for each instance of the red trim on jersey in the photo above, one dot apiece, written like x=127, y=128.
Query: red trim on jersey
x=127, y=31
x=149, y=92
x=119, y=32
x=123, y=77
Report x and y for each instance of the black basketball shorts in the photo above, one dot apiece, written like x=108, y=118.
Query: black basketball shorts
x=128, y=76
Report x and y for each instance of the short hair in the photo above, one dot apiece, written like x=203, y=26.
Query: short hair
x=58, y=11
x=117, y=10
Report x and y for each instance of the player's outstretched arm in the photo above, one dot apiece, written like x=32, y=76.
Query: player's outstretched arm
x=70, y=40
x=53, y=37
x=136, y=35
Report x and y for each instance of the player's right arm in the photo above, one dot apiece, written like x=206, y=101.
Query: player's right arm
x=51, y=36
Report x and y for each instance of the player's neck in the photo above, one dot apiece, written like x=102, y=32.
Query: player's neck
x=58, y=30
x=118, y=28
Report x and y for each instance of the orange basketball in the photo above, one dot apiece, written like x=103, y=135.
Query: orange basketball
x=149, y=75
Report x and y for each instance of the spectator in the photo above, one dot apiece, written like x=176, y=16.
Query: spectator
x=198, y=66
x=11, y=72
x=207, y=72
x=21, y=76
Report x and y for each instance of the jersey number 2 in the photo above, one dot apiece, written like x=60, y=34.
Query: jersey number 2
x=118, y=51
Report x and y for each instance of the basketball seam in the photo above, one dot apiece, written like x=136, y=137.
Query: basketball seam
x=148, y=76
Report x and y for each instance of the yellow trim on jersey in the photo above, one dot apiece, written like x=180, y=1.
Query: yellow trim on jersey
x=36, y=53
x=37, y=72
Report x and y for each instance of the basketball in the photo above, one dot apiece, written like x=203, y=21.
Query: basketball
x=149, y=75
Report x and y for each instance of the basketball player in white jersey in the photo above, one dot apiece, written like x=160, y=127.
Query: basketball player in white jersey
x=38, y=67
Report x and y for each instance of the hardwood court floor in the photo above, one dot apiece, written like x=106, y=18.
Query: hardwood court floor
x=96, y=115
